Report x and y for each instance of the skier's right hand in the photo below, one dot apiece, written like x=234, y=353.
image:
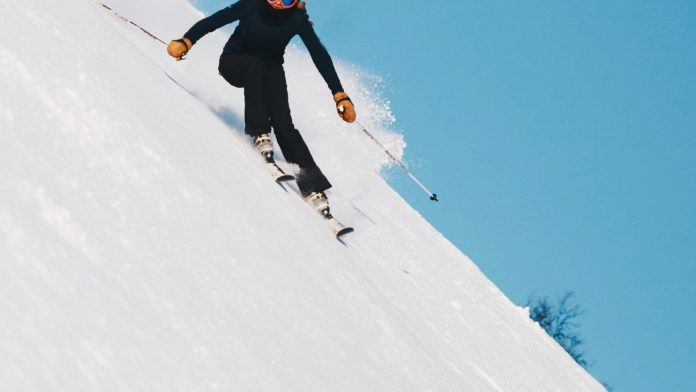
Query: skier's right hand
x=179, y=47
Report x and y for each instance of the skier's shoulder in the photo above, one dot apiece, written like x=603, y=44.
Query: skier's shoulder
x=301, y=18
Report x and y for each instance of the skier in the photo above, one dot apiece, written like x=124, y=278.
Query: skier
x=253, y=59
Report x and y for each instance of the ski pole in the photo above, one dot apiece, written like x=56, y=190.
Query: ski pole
x=133, y=23
x=433, y=196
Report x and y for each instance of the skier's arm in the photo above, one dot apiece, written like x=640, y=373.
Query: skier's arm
x=326, y=68
x=320, y=56
x=178, y=48
x=215, y=21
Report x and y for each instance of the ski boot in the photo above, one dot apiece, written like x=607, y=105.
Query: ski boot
x=264, y=145
x=320, y=203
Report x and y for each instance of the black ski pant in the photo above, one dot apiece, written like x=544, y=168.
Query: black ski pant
x=266, y=106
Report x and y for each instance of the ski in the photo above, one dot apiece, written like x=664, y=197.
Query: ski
x=318, y=202
x=337, y=228
x=277, y=173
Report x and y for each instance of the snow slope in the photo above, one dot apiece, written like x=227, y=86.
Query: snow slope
x=143, y=247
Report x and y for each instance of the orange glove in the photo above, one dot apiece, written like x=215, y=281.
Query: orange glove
x=345, y=107
x=179, y=47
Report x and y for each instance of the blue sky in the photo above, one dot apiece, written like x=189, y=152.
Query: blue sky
x=561, y=138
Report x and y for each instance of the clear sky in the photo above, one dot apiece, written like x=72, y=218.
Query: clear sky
x=561, y=138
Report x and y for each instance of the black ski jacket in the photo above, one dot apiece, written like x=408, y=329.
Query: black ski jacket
x=265, y=33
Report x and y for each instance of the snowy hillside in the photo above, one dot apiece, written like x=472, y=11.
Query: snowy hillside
x=144, y=248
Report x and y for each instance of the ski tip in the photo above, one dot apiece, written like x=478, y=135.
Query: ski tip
x=285, y=178
x=344, y=231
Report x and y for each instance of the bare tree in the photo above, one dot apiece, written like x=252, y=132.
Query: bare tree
x=560, y=321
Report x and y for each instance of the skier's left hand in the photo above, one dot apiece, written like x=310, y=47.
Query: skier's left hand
x=345, y=107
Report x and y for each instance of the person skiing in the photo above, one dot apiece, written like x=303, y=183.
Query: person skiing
x=253, y=60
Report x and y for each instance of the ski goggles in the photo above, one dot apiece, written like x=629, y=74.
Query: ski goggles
x=282, y=4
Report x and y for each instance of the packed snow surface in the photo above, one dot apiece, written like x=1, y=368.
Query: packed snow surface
x=143, y=246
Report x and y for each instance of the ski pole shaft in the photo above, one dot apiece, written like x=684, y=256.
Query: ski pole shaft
x=432, y=196
x=133, y=23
